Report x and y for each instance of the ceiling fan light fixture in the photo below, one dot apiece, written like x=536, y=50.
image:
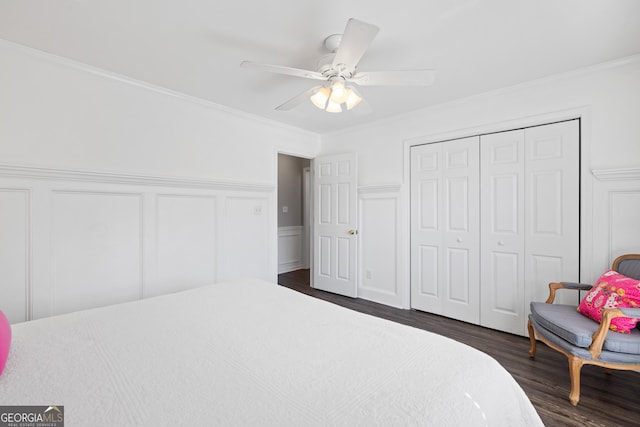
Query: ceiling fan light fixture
x=333, y=107
x=353, y=99
x=331, y=98
x=338, y=92
x=320, y=98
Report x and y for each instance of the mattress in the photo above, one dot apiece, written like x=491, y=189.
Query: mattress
x=252, y=353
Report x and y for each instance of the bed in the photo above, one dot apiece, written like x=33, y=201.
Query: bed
x=252, y=353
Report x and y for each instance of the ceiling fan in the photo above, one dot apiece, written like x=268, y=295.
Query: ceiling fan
x=339, y=67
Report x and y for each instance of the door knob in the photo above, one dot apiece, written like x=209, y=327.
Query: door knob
x=352, y=231
x=459, y=240
x=500, y=243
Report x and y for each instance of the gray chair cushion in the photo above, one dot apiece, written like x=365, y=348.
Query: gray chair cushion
x=583, y=353
x=567, y=323
x=630, y=268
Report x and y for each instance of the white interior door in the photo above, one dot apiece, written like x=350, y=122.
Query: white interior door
x=335, y=237
x=445, y=229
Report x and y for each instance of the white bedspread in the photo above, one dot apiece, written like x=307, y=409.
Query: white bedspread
x=251, y=353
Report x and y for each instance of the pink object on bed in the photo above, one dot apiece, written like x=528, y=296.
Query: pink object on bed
x=5, y=340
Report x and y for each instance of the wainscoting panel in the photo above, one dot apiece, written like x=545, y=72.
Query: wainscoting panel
x=380, y=272
x=624, y=224
x=246, y=238
x=616, y=210
x=14, y=253
x=72, y=240
x=290, y=249
x=185, y=243
x=96, y=249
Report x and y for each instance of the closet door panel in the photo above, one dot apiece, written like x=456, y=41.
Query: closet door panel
x=428, y=274
x=458, y=277
x=461, y=234
x=445, y=229
x=553, y=208
x=502, y=217
x=426, y=231
x=505, y=268
x=541, y=269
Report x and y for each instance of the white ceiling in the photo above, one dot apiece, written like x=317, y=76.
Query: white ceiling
x=195, y=46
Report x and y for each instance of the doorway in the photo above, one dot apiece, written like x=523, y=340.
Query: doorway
x=294, y=214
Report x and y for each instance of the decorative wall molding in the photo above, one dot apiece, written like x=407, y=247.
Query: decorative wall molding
x=292, y=229
x=290, y=249
x=92, y=233
x=86, y=68
x=380, y=251
x=616, y=230
x=617, y=174
x=623, y=229
x=184, y=224
x=74, y=240
x=15, y=246
x=48, y=174
x=382, y=188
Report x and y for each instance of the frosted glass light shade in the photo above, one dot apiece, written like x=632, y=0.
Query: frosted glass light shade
x=321, y=97
x=333, y=107
x=331, y=98
x=338, y=92
x=352, y=99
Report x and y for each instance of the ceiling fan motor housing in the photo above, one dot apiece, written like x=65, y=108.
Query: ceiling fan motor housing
x=325, y=63
x=332, y=42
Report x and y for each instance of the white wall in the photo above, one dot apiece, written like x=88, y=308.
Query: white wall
x=63, y=124
x=609, y=92
x=605, y=97
x=61, y=114
x=112, y=189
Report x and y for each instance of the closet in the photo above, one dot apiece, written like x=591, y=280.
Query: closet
x=494, y=219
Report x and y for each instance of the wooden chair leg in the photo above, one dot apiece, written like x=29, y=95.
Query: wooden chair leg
x=532, y=338
x=575, y=365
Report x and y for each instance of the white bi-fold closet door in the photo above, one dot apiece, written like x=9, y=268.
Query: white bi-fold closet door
x=445, y=233
x=494, y=219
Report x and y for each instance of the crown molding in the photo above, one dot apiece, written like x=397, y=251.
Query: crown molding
x=100, y=72
x=48, y=174
x=617, y=174
x=565, y=75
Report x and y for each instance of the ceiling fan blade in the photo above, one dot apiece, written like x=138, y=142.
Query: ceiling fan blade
x=298, y=99
x=279, y=69
x=356, y=39
x=394, y=78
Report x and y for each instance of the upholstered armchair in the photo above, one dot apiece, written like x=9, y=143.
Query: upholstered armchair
x=583, y=340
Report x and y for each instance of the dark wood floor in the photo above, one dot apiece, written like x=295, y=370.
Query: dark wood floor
x=606, y=400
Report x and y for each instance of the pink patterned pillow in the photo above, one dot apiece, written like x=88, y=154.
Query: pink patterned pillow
x=612, y=290
x=5, y=340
